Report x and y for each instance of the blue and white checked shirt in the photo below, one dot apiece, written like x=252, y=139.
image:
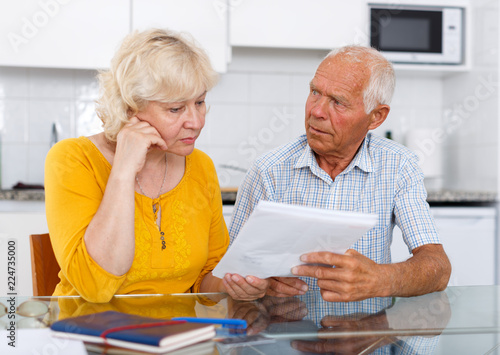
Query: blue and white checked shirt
x=383, y=178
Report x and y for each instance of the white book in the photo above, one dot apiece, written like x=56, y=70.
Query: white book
x=276, y=235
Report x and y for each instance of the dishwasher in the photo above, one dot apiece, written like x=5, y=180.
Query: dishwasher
x=468, y=235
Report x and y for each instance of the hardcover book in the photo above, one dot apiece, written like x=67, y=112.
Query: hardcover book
x=133, y=331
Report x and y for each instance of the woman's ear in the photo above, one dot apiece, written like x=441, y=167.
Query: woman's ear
x=378, y=116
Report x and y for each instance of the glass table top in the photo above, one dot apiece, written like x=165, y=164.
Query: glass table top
x=460, y=320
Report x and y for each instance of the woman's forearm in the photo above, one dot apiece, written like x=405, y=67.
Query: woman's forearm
x=211, y=283
x=110, y=236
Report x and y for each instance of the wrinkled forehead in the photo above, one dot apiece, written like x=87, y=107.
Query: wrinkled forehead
x=343, y=67
x=342, y=75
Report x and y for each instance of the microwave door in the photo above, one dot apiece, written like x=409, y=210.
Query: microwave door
x=414, y=36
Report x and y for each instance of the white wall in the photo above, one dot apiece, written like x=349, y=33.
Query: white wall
x=257, y=105
x=471, y=108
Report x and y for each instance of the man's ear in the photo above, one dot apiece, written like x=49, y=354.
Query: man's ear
x=378, y=116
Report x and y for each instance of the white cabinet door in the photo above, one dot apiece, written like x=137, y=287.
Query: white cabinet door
x=18, y=226
x=468, y=237
x=206, y=21
x=62, y=33
x=309, y=24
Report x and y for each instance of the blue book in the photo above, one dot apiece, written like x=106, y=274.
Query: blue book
x=133, y=331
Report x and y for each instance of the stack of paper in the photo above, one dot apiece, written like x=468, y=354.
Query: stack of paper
x=276, y=235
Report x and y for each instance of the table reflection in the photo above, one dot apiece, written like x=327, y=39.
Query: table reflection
x=464, y=319
x=157, y=306
x=309, y=324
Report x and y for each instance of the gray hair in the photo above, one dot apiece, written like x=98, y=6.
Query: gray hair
x=382, y=80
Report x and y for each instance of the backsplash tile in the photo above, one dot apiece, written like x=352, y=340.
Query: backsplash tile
x=471, y=106
x=86, y=121
x=227, y=124
x=258, y=105
x=300, y=87
x=14, y=164
x=231, y=88
x=229, y=165
x=86, y=85
x=14, y=120
x=51, y=83
x=268, y=88
x=36, y=159
x=13, y=82
x=270, y=125
x=44, y=113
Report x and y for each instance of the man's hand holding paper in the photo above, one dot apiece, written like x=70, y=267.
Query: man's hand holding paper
x=353, y=278
x=276, y=235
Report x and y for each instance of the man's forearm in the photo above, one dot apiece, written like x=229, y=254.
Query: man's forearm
x=428, y=270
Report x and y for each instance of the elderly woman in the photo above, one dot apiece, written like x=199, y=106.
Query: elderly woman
x=136, y=209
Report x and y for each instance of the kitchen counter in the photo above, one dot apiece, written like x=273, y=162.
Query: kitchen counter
x=445, y=197
x=229, y=196
x=22, y=195
x=448, y=197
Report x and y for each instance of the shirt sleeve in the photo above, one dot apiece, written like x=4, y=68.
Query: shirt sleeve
x=73, y=194
x=411, y=210
x=251, y=191
x=219, y=236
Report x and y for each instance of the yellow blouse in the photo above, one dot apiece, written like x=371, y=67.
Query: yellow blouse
x=196, y=236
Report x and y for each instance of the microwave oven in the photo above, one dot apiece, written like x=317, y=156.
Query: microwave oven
x=418, y=34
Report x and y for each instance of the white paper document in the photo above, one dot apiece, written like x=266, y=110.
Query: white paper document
x=276, y=235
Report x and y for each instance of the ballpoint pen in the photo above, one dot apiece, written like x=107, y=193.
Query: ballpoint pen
x=226, y=323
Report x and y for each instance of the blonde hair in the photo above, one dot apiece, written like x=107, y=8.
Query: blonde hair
x=382, y=81
x=154, y=65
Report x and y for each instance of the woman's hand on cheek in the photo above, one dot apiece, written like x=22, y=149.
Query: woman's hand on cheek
x=245, y=288
x=134, y=141
x=145, y=131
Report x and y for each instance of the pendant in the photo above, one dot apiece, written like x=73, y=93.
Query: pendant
x=155, y=206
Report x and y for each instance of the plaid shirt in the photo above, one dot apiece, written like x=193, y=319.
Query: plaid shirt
x=383, y=178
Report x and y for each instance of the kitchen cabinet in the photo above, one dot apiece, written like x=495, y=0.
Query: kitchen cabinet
x=317, y=24
x=19, y=219
x=62, y=33
x=227, y=213
x=468, y=235
x=206, y=21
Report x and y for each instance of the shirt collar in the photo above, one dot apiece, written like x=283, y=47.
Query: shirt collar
x=362, y=159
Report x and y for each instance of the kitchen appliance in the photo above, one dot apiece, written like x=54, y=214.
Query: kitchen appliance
x=430, y=155
x=418, y=34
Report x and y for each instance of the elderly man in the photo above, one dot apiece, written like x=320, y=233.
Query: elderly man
x=339, y=165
